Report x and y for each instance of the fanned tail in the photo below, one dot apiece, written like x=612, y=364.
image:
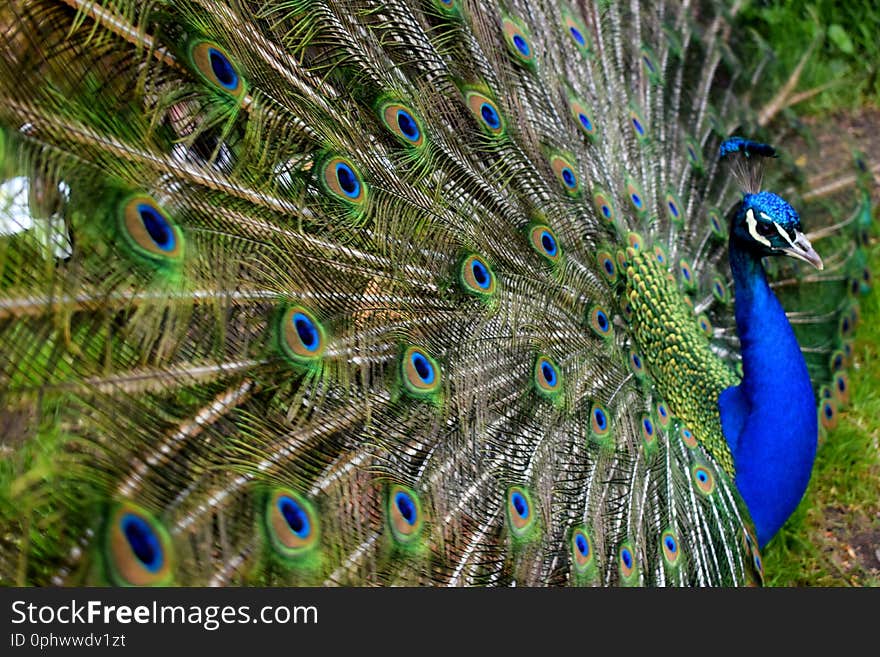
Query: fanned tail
x=356, y=293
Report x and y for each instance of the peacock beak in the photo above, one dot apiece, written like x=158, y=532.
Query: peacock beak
x=802, y=250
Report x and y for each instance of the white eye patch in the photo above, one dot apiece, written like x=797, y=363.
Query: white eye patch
x=752, y=223
x=782, y=232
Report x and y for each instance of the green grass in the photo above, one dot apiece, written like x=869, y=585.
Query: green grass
x=831, y=538
x=847, y=54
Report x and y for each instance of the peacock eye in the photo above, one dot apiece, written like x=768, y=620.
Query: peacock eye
x=766, y=230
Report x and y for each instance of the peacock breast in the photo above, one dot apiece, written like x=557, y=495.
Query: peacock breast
x=676, y=353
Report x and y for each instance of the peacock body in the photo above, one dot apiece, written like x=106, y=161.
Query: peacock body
x=373, y=293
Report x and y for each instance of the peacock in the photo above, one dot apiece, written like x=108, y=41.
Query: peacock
x=407, y=292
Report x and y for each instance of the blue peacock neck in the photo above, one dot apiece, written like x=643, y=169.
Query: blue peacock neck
x=769, y=420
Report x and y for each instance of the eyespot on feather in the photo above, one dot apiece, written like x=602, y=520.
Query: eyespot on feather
x=291, y=523
x=565, y=174
x=600, y=422
x=341, y=179
x=544, y=242
x=486, y=111
x=581, y=550
x=547, y=377
x=670, y=548
x=674, y=209
x=663, y=416
x=607, y=266
x=600, y=322
x=626, y=563
x=688, y=438
x=215, y=65
x=137, y=548
x=704, y=479
x=518, y=41
x=301, y=336
x=520, y=511
x=578, y=33
x=404, y=513
x=584, y=118
x=402, y=122
x=635, y=195
x=636, y=364
x=476, y=277
x=149, y=231
x=420, y=372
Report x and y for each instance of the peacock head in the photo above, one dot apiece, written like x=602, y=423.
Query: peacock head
x=768, y=225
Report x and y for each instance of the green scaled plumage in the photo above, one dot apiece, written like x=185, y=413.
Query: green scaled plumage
x=373, y=293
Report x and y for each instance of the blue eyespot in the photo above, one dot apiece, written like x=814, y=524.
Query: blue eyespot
x=519, y=513
x=404, y=514
x=704, y=480
x=638, y=126
x=581, y=551
x=490, y=116
x=546, y=378
x=669, y=542
x=295, y=516
x=302, y=338
x=600, y=418
x=520, y=504
x=577, y=36
x=157, y=227
x=401, y=121
x=340, y=178
x=543, y=240
x=649, y=427
x=688, y=438
x=214, y=65
x=223, y=69
x=522, y=45
x=143, y=541
x=421, y=374
x=292, y=526
x=626, y=557
x=137, y=549
x=347, y=179
x=306, y=331
x=406, y=507
x=475, y=277
x=585, y=121
x=481, y=274
x=422, y=367
x=408, y=126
